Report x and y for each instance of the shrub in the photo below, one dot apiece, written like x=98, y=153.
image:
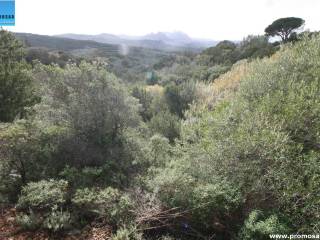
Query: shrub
x=178, y=97
x=166, y=124
x=84, y=177
x=43, y=194
x=27, y=150
x=217, y=70
x=160, y=151
x=145, y=99
x=57, y=220
x=127, y=234
x=95, y=108
x=260, y=131
x=258, y=226
x=108, y=203
x=28, y=221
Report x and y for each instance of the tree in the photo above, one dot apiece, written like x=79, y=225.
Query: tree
x=145, y=99
x=166, y=124
x=178, y=97
x=97, y=111
x=284, y=28
x=152, y=78
x=225, y=52
x=16, y=87
x=255, y=47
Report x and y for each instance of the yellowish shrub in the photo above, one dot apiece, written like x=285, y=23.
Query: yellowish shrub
x=223, y=87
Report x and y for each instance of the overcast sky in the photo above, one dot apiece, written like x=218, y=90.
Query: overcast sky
x=215, y=19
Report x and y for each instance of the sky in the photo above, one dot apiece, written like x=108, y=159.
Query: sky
x=209, y=19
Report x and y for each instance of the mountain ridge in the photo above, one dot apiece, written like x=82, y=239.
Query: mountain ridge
x=171, y=41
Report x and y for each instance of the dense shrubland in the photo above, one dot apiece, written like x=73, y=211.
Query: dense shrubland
x=183, y=158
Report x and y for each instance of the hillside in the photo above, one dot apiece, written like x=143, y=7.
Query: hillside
x=129, y=63
x=108, y=141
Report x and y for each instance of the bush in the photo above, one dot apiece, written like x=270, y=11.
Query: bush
x=27, y=151
x=95, y=108
x=43, y=194
x=166, y=124
x=217, y=70
x=259, y=227
x=84, y=177
x=145, y=99
x=261, y=133
x=109, y=203
x=209, y=204
x=178, y=97
x=57, y=220
x=127, y=234
x=28, y=221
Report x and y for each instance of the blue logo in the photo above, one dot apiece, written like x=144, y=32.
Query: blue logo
x=7, y=12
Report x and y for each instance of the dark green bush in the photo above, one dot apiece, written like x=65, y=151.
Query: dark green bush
x=109, y=203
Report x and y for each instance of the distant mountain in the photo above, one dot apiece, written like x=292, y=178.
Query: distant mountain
x=170, y=41
x=129, y=63
x=171, y=38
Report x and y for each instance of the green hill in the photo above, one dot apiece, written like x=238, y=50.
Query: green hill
x=128, y=63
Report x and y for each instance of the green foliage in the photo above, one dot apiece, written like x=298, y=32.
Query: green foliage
x=96, y=110
x=57, y=220
x=17, y=91
x=127, y=234
x=255, y=150
x=43, y=194
x=284, y=28
x=160, y=150
x=109, y=203
x=223, y=53
x=260, y=227
x=152, y=78
x=166, y=124
x=27, y=153
x=253, y=47
x=47, y=57
x=145, y=99
x=84, y=177
x=211, y=205
x=226, y=53
x=28, y=221
x=45, y=200
x=178, y=97
x=128, y=63
x=217, y=70
x=206, y=156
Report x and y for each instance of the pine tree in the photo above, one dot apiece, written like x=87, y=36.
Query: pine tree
x=16, y=85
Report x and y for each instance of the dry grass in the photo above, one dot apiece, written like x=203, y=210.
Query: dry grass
x=155, y=90
x=208, y=95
